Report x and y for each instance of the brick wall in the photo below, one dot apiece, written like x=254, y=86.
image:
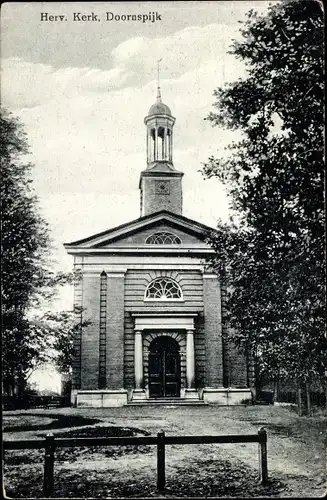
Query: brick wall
x=191, y=283
x=90, y=334
x=103, y=330
x=137, y=280
x=77, y=341
x=200, y=353
x=236, y=369
x=238, y=373
x=129, y=339
x=106, y=346
x=213, y=331
x=154, y=202
x=115, y=331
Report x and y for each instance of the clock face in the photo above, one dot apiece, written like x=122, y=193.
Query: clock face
x=162, y=187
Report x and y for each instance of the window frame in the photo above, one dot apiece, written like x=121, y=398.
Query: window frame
x=164, y=299
x=166, y=234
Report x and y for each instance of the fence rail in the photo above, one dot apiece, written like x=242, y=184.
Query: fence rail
x=50, y=443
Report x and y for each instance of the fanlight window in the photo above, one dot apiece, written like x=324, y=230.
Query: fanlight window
x=163, y=289
x=163, y=238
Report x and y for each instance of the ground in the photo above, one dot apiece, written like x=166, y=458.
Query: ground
x=296, y=453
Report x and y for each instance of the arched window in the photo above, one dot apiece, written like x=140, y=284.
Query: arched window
x=163, y=238
x=163, y=289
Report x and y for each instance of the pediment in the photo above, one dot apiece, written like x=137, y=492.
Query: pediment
x=136, y=232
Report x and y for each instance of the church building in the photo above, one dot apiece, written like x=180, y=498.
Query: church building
x=153, y=313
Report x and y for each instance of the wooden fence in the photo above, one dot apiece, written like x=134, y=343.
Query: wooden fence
x=161, y=441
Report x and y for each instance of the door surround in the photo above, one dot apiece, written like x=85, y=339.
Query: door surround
x=147, y=327
x=164, y=367
x=164, y=321
x=180, y=338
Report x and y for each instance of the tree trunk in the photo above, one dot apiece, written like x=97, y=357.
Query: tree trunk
x=9, y=385
x=299, y=400
x=276, y=390
x=21, y=385
x=307, y=391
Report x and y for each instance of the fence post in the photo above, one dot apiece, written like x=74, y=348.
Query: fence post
x=48, y=466
x=263, y=461
x=161, y=479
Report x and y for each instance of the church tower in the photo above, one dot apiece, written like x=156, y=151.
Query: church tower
x=160, y=184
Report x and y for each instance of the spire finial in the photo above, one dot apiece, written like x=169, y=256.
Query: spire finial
x=158, y=90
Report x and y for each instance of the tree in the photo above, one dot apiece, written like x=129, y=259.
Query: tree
x=27, y=278
x=272, y=252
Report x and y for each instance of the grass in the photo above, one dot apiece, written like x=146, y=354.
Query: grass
x=39, y=421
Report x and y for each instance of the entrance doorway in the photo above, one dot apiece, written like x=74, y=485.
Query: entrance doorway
x=164, y=368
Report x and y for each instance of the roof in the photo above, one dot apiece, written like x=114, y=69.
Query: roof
x=161, y=166
x=138, y=224
x=159, y=108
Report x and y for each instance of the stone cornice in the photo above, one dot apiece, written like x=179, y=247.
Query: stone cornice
x=164, y=314
x=142, y=250
x=157, y=173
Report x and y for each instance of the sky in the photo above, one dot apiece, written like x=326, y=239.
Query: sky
x=82, y=90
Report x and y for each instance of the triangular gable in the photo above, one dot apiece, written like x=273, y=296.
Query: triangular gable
x=140, y=236
x=142, y=224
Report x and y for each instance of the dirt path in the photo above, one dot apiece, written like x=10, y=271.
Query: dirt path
x=296, y=451
x=299, y=460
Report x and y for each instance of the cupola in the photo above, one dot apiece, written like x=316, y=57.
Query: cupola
x=160, y=184
x=159, y=123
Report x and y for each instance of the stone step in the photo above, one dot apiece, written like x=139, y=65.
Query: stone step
x=167, y=402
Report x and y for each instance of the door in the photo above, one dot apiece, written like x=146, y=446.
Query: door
x=164, y=368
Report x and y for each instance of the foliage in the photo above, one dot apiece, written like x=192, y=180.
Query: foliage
x=25, y=237
x=27, y=278
x=63, y=327
x=272, y=252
